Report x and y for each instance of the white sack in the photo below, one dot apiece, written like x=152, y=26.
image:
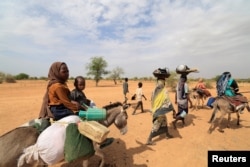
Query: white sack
x=50, y=143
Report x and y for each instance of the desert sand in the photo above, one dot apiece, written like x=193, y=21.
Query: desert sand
x=21, y=102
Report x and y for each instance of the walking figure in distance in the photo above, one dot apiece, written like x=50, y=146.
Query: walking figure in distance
x=125, y=90
x=139, y=94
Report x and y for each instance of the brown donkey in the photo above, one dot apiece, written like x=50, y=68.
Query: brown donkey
x=224, y=105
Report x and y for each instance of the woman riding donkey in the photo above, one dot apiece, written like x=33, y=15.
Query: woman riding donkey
x=228, y=88
x=202, y=89
x=57, y=102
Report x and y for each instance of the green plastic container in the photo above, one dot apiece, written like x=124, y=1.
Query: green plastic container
x=93, y=114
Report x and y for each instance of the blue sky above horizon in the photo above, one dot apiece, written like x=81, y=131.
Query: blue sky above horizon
x=138, y=36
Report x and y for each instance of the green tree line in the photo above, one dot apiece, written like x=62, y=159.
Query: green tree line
x=97, y=69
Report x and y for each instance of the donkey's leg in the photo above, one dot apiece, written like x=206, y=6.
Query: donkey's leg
x=219, y=122
x=195, y=103
x=211, y=128
x=198, y=102
x=238, y=118
x=212, y=119
x=213, y=116
x=99, y=153
x=85, y=163
x=228, y=120
x=202, y=102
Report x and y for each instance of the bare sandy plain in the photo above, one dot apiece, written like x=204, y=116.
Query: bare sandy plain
x=21, y=102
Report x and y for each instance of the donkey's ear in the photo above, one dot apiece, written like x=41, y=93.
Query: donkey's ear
x=126, y=106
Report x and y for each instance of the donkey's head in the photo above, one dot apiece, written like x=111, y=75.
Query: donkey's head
x=117, y=114
x=121, y=119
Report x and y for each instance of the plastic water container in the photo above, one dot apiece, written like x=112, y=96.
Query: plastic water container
x=93, y=114
x=93, y=130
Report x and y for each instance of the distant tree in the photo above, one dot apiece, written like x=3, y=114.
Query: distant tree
x=33, y=78
x=2, y=76
x=21, y=76
x=43, y=78
x=97, y=68
x=115, y=74
x=135, y=78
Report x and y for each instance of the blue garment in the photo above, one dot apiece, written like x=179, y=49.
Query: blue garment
x=229, y=91
x=60, y=111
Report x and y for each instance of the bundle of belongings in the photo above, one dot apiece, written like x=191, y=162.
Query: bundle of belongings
x=66, y=139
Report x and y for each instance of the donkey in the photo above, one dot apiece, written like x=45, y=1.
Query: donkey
x=116, y=114
x=197, y=98
x=13, y=142
x=223, y=104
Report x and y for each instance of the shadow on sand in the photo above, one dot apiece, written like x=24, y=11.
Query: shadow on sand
x=223, y=124
x=116, y=155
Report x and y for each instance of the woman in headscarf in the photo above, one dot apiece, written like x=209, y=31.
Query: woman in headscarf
x=161, y=105
x=56, y=102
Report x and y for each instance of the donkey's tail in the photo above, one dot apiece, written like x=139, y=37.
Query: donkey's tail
x=30, y=154
x=215, y=106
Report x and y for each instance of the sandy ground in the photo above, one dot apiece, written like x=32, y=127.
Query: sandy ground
x=21, y=102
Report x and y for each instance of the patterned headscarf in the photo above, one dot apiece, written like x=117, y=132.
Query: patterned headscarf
x=54, y=77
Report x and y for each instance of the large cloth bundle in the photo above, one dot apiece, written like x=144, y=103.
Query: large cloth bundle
x=93, y=130
x=50, y=143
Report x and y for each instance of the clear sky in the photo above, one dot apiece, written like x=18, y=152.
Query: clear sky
x=136, y=35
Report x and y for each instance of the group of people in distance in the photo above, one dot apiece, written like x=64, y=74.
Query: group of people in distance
x=59, y=101
x=161, y=103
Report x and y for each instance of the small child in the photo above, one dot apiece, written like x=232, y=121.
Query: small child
x=139, y=94
x=78, y=95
